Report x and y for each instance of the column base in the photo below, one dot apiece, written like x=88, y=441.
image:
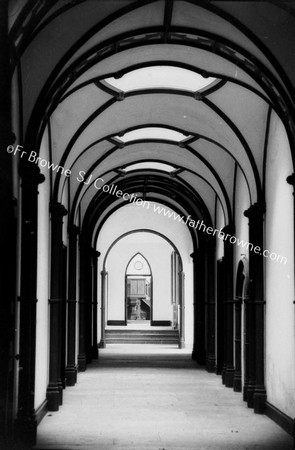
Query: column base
x=53, y=397
x=199, y=356
x=250, y=395
x=223, y=372
x=259, y=400
x=218, y=368
x=245, y=391
x=102, y=344
x=64, y=382
x=71, y=375
x=237, y=385
x=25, y=433
x=60, y=389
x=82, y=362
x=229, y=376
x=94, y=352
x=210, y=363
x=181, y=343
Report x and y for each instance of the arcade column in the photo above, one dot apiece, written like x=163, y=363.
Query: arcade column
x=291, y=180
x=95, y=256
x=238, y=337
x=26, y=419
x=7, y=242
x=256, y=392
x=84, y=355
x=104, y=277
x=55, y=386
x=181, y=277
x=210, y=305
x=199, y=352
x=72, y=368
x=228, y=302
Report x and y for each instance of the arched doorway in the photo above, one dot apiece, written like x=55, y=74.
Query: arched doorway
x=158, y=284
x=138, y=291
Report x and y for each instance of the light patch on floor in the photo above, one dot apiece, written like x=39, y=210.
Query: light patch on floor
x=154, y=397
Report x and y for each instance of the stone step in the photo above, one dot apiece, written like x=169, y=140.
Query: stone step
x=151, y=332
x=143, y=341
x=169, y=337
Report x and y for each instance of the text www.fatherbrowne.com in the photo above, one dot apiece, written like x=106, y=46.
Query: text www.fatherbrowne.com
x=99, y=184
x=200, y=226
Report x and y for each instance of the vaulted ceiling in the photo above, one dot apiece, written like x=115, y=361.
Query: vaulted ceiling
x=165, y=99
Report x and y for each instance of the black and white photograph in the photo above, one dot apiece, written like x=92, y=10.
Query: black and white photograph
x=147, y=233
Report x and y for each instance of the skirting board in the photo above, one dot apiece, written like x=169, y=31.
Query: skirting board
x=41, y=411
x=116, y=322
x=154, y=323
x=161, y=323
x=280, y=418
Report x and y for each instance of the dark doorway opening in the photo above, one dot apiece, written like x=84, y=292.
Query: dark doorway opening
x=138, y=298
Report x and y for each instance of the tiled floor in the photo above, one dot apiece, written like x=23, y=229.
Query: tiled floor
x=154, y=397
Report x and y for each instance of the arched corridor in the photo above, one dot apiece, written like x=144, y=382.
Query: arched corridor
x=147, y=195
x=155, y=397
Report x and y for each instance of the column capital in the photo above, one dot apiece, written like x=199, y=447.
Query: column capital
x=291, y=179
x=9, y=138
x=255, y=211
x=73, y=230
x=31, y=173
x=95, y=253
x=57, y=209
x=228, y=229
x=195, y=255
x=198, y=256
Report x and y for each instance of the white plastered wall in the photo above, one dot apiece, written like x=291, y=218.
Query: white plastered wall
x=43, y=268
x=279, y=279
x=242, y=202
x=219, y=224
x=132, y=217
x=158, y=252
x=241, y=252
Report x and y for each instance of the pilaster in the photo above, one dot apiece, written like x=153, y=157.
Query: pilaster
x=72, y=367
x=95, y=256
x=104, y=275
x=88, y=296
x=228, y=302
x=237, y=383
x=220, y=325
x=182, y=309
x=248, y=350
x=83, y=303
x=291, y=180
x=210, y=305
x=26, y=421
x=256, y=392
x=55, y=386
x=199, y=352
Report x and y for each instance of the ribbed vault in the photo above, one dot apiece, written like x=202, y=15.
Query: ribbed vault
x=97, y=105
x=109, y=105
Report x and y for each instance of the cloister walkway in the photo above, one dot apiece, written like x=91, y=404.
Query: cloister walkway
x=154, y=397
